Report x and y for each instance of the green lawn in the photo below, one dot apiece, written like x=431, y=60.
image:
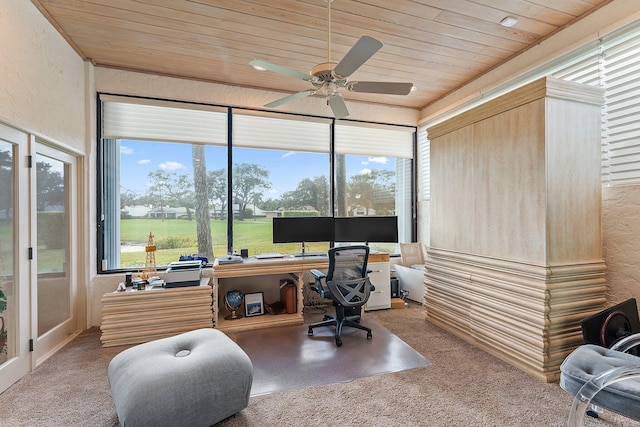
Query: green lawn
x=254, y=235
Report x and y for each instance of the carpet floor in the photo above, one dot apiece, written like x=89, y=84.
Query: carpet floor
x=286, y=358
x=464, y=387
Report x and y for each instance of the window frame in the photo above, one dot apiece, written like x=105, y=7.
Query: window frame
x=231, y=112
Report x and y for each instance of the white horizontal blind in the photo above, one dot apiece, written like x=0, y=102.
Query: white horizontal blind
x=615, y=64
x=279, y=133
x=424, y=165
x=129, y=118
x=621, y=115
x=372, y=140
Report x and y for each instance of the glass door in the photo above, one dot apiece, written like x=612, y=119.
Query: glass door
x=53, y=253
x=15, y=358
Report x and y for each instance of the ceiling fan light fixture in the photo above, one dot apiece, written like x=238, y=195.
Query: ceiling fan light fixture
x=328, y=78
x=509, y=21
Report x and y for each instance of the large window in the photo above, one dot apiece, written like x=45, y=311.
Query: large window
x=280, y=168
x=373, y=175
x=208, y=180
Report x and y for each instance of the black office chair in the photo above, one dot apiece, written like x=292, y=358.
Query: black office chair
x=347, y=285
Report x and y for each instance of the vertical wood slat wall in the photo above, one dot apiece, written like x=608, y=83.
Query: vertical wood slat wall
x=515, y=254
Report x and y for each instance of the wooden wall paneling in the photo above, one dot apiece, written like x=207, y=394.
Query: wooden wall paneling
x=527, y=265
x=134, y=317
x=451, y=176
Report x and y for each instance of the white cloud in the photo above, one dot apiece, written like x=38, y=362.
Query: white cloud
x=171, y=166
x=126, y=150
x=381, y=160
x=287, y=154
x=364, y=171
x=143, y=161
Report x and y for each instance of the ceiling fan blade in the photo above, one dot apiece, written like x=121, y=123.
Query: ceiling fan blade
x=364, y=49
x=280, y=69
x=338, y=106
x=388, y=88
x=286, y=99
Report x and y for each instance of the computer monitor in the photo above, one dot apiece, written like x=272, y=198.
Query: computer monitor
x=302, y=229
x=381, y=229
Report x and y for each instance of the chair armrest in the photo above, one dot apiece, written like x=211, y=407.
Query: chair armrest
x=591, y=388
x=319, y=275
x=627, y=343
x=318, y=286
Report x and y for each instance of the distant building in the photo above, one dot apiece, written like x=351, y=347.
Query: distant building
x=138, y=211
x=167, y=212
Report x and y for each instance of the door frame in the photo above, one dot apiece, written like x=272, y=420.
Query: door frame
x=21, y=362
x=51, y=341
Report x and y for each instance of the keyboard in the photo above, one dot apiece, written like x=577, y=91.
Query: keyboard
x=306, y=254
x=269, y=256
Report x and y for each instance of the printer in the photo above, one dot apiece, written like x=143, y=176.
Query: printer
x=183, y=273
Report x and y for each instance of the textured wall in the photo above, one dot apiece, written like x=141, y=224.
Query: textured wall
x=41, y=77
x=621, y=241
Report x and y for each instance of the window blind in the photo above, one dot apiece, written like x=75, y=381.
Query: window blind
x=424, y=165
x=267, y=131
x=615, y=65
x=129, y=118
x=621, y=115
x=372, y=140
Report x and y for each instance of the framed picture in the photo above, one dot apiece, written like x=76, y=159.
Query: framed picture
x=253, y=304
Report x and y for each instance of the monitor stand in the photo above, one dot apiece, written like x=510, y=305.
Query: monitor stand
x=305, y=254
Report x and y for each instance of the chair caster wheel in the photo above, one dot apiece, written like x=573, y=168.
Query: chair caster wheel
x=338, y=342
x=310, y=332
x=369, y=335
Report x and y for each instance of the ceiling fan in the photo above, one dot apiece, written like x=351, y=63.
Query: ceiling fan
x=328, y=78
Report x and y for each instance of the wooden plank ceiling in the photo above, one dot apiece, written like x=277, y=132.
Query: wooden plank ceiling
x=437, y=45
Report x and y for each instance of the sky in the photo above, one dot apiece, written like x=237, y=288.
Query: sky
x=286, y=168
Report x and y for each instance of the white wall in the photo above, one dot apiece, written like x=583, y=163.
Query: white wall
x=41, y=77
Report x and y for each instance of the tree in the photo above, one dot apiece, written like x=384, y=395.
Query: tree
x=271, y=204
x=130, y=197
x=6, y=185
x=50, y=186
x=248, y=179
x=203, y=221
x=372, y=190
x=341, y=185
x=217, y=189
x=309, y=192
x=169, y=188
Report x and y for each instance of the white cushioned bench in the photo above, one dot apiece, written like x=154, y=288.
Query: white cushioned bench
x=603, y=377
x=197, y=378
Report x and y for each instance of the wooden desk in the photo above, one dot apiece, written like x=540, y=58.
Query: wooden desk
x=254, y=275
x=134, y=317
